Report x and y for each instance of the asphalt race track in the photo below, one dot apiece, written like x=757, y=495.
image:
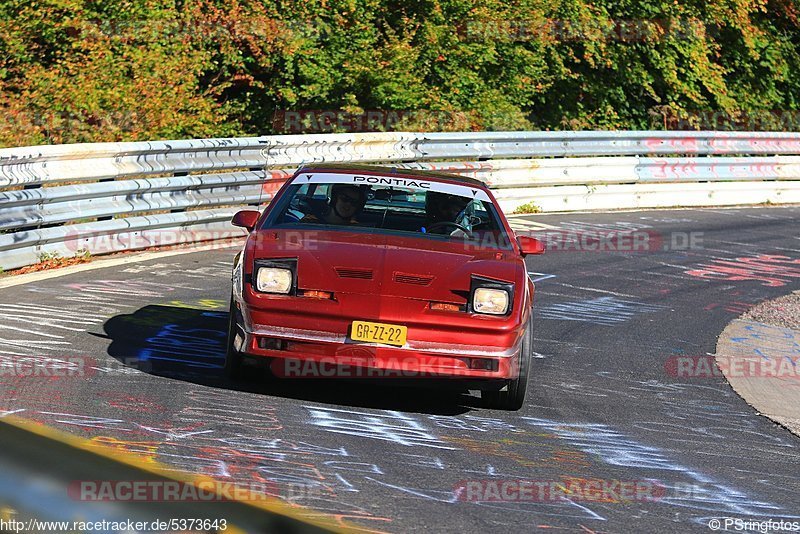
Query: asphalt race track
x=604, y=406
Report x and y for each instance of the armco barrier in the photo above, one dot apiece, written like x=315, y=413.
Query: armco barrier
x=60, y=199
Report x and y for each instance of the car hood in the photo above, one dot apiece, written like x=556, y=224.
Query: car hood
x=380, y=264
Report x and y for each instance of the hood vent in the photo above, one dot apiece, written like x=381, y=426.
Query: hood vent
x=348, y=272
x=415, y=279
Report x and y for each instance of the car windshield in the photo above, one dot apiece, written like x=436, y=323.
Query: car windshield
x=451, y=213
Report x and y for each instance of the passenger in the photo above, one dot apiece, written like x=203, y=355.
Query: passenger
x=346, y=201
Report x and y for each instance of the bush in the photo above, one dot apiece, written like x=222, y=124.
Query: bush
x=79, y=71
x=530, y=207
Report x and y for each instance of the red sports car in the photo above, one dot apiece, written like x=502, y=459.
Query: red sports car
x=356, y=271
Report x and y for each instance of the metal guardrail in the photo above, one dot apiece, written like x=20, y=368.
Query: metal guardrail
x=62, y=199
x=508, y=173
x=96, y=161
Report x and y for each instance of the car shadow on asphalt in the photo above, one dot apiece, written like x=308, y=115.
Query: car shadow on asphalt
x=188, y=344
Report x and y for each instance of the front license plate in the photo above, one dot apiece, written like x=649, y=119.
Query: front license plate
x=390, y=334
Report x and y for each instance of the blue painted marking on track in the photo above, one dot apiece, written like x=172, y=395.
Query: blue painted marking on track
x=194, y=347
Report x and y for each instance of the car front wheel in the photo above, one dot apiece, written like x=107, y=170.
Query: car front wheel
x=513, y=397
x=233, y=358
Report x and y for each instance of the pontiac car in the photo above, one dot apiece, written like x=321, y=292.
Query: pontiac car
x=375, y=271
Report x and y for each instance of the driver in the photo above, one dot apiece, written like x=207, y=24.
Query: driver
x=443, y=208
x=346, y=201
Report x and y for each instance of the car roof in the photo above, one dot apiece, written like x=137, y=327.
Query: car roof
x=348, y=167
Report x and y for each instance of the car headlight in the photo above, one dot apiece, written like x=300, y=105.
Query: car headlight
x=274, y=280
x=493, y=301
x=491, y=297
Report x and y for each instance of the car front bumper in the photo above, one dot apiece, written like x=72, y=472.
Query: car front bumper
x=306, y=353
x=439, y=344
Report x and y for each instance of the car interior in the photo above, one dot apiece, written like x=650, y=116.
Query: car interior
x=391, y=208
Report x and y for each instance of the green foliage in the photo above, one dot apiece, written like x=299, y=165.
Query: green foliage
x=83, y=70
x=83, y=254
x=48, y=256
x=530, y=207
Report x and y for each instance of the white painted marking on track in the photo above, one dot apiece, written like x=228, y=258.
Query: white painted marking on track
x=674, y=266
x=348, y=486
x=172, y=434
x=20, y=279
x=736, y=243
x=28, y=343
x=541, y=276
x=526, y=225
x=587, y=510
x=453, y=495
x=34, y=332
x=598, y=290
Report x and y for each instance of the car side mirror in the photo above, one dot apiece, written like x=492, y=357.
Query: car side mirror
x=246, y=219
x=530, y=245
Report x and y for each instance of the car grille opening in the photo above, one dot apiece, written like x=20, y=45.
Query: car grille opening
x=415, y=279
x=271, y=343
x=483, y=364
x=347, y=272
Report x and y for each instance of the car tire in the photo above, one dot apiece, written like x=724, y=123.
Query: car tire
x=233, y=358
x=513, y=397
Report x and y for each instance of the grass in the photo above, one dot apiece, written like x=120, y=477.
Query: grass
x=49, y=256
x=53, y=260
x=83, y=254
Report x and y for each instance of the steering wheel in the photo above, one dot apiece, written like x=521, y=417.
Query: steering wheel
x=457, y=226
